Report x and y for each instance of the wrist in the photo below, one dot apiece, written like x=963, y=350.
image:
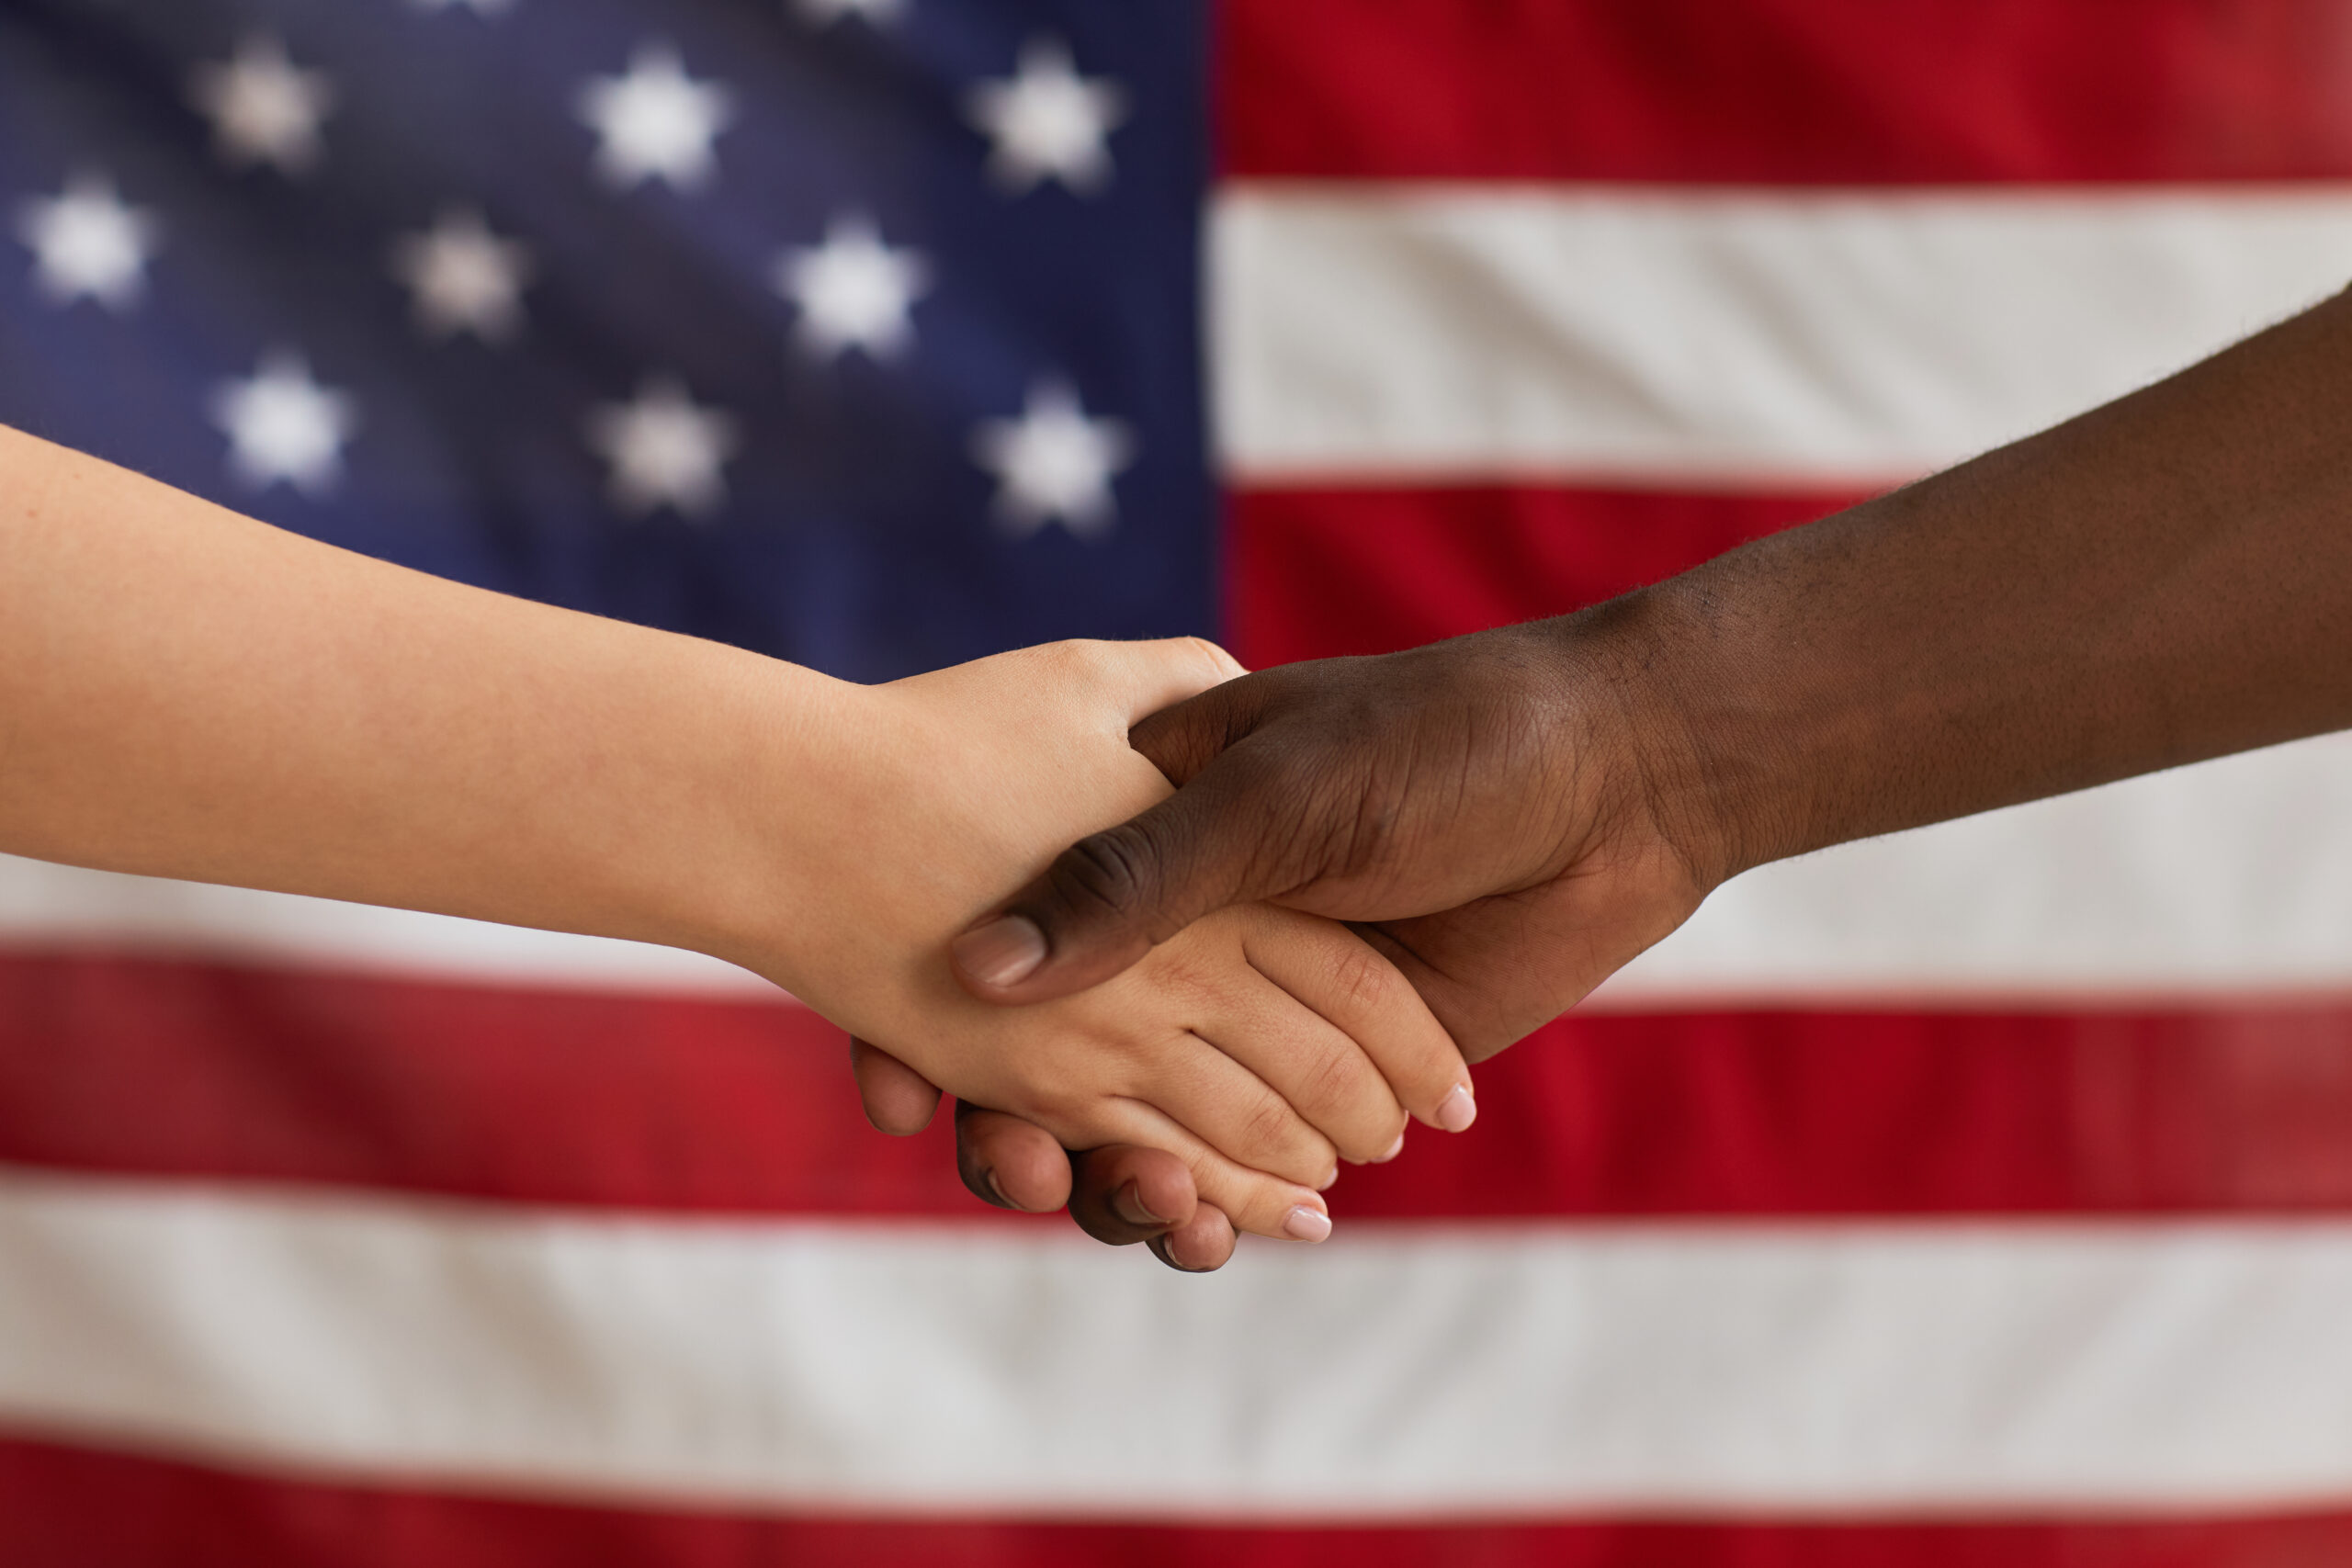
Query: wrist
x=763, y=757
x=1801, y=692
x=1659, y=682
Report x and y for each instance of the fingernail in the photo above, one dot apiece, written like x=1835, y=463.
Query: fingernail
x=1127, y=1204
x=1394, y=1150
x=1456, y=1111
x=1329, y=1181
x=1004, y=953
x=1307, y=1224
x=1158, y=1245
x=989, y=1177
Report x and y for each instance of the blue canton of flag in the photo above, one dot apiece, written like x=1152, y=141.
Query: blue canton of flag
x=861, y=332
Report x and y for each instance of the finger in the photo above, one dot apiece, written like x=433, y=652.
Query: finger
x=1328, y=1080
x=1254, y=1201
x=1251, y=1205
x=1232, y=835
x=1201, y=1246
x=1184, y=738
x=1206, y=1089
x=898, y=1099
x=1009, y=1162
x=1124, y=1194
x=1347, y=982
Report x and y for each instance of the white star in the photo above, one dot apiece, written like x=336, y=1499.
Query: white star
x=665, y=449
x=656, y=122
x=283, y=425
x=1053, y=464
x=464, y=278
x=853, y=291
x=1048, y=122
x=825, y=13
x=264, y=108
x=481, y=7
x=86, y=242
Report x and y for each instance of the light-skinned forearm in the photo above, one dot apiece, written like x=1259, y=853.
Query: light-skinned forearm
x=185, y=691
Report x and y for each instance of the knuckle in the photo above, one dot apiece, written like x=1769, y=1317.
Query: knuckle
x=1267, y=1124
x=1187, y=971
x=1220, y=663
x=1339, y=1080
x=1324, y=816
x=1070, y=656
x=1363, y=980
x=1273, y=1126
x=1113, y=872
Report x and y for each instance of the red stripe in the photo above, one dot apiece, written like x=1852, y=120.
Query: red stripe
x=150, y=1069
x=64, y=1507
x=537, y=1096
x=1894, y=1114
x=1788, y=91
x=1317, y=572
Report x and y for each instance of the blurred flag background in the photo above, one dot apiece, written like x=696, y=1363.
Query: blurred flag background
x=1977, y=1196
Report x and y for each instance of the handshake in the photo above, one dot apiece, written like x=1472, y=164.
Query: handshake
x=1504, y=819
x=1368, y=873
x=1371, y=871
x=1175, y=992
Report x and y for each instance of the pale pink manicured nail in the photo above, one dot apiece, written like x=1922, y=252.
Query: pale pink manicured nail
x=1307, y=1224
x=1394, y=1150
x=1456, y=1111
x=1004, y=953
x=1329, y=1180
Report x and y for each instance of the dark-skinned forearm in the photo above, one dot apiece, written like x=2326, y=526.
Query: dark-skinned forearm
x=1517, y=813
x=2164, y=580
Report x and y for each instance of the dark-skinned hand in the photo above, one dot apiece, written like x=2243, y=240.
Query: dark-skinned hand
x=1513, y=814
x=1489, y=812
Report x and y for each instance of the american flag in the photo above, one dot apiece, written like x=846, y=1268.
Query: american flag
x=1973, y=1196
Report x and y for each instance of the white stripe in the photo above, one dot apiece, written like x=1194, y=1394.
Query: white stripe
x=2229, y=877
x=47, y=906
x=1396, y=1373
x=2225, y=879
x=1366, y=333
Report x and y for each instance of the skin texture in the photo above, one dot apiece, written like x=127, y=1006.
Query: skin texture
x=187, y=692
x=1513, y=814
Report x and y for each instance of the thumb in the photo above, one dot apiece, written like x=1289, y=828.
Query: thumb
x=1110, y=898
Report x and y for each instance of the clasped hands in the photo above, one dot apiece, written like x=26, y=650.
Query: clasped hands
x=187, y=692
x=1492, y=816
x=1221, y=931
